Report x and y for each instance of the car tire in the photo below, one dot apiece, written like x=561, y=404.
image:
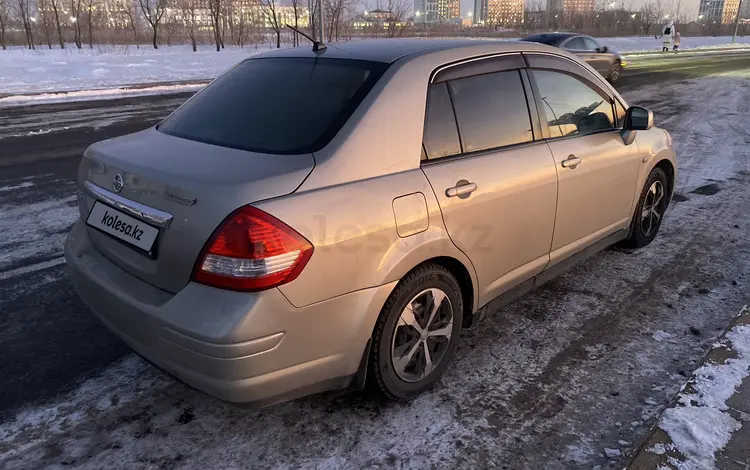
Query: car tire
x=615, y=72
x=403, y=341
x=649, y=212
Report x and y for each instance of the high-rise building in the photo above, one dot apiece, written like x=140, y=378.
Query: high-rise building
x=570, y=7
x=449, y=9
x=720, y=11
x=498, y=12
x=745, y=13
x=480, y=11
x=426, y=11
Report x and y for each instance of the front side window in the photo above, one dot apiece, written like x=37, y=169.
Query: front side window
x=576, y=44
x=591, y=45
x=571, y=106
x=491, y=110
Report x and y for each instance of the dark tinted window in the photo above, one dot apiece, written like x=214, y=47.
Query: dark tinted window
x=549, y=39
x=576, y=44
x=590, y=44
x=440, y=133
x=276, y=105
x=571, y=106
x=491, y=110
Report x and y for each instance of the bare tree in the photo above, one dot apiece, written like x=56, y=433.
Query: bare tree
x=312, y=20
x=270, y=9
x=297, y=11
x=3, y=21
x=189, y=16
x=397, y=20
x=75, y=18
x=45, y=20
x=24, y=14
x=214, y=8
x=648, y=16
x=56, y=7
x=153, y=12
x=129, y=9
x=89, y=19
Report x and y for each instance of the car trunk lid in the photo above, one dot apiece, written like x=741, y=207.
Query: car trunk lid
x=180, y=190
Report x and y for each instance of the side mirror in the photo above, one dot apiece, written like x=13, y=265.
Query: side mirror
x=638, y=119
x=603, y=49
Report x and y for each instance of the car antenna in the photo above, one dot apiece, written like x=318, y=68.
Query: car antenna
x=318, y=46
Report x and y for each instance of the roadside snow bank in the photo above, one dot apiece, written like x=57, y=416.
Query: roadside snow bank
x=99, y=94
x=699, y=425
x=106, y=66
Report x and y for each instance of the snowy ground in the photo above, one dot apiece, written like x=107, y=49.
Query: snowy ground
x=571, y=376
x=700, y=425
x=23, y=71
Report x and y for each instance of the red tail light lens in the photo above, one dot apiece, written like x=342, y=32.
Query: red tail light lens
x=252, y=251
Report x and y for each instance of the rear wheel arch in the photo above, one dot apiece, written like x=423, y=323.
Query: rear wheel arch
x=462, y=275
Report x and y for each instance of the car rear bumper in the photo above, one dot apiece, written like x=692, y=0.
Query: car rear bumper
x=251, y=348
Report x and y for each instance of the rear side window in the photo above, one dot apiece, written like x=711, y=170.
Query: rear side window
x=571, y=106
x=276, y=105
x=491, y=110
x=440, y=133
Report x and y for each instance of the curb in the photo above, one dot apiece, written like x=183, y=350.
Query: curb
x=641, y=458
x=693, y=51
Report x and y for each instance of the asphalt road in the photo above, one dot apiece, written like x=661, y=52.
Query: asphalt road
x=50, y=343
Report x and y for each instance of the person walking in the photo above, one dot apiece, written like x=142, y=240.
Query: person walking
x=676, y=42
x=667, y=35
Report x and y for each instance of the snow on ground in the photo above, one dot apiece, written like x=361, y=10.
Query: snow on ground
x=700, y=425
x=32, y=231
x=649, y=43
x=546, y=383
x=43, y=70
x=105, y=66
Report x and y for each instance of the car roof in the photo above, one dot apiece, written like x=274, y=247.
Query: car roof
x=390, y=50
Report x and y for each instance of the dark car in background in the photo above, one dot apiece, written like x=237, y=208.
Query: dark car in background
x=607, y=62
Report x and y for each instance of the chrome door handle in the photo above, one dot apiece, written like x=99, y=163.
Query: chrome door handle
x=571, y=162
x=461, y=188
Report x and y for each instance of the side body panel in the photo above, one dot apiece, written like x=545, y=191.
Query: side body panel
x=357, y=243
x=595, y=198
x=505, y=226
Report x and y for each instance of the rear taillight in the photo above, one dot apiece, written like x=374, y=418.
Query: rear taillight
x=252, y=251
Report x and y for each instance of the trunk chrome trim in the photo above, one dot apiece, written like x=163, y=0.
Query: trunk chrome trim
x=147, y=214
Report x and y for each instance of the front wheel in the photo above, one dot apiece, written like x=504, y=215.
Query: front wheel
x=649, y=212
x=615, y=72
x=417, y=332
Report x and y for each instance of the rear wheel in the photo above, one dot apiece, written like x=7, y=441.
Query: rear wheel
x=417, y=332
x=615, y=72
x=649, y=212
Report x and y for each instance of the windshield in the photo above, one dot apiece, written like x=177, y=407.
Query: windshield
x=276, y=105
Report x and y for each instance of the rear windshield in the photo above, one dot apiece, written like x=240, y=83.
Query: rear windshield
x=548, y=39
x=276, y=105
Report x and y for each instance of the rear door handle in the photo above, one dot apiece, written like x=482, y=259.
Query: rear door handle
x=571, y=162
x=462, y=187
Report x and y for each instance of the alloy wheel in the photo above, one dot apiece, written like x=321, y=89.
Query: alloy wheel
x=422, y=336
x=653, y=208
